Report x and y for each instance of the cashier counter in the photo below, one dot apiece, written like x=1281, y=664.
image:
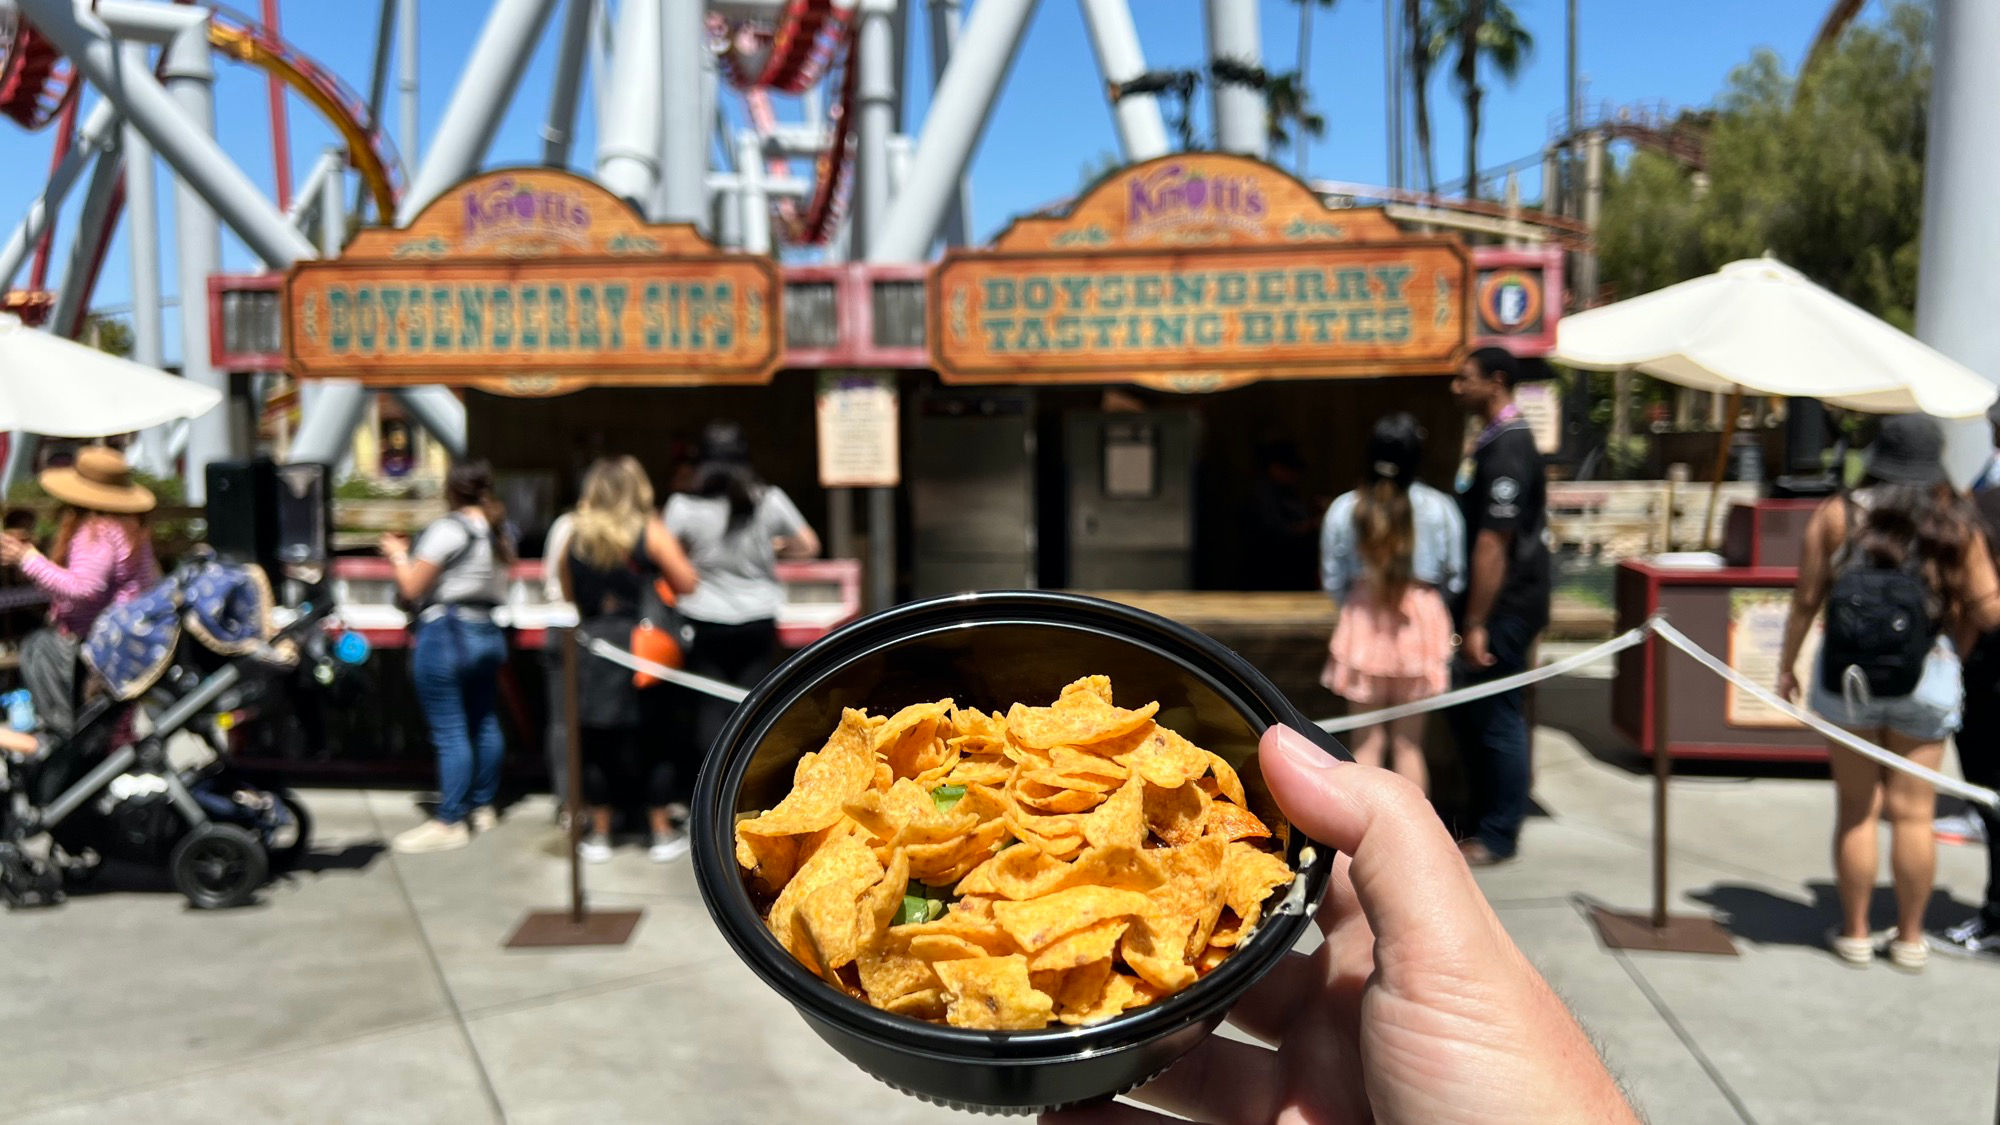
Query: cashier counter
x=820, y=596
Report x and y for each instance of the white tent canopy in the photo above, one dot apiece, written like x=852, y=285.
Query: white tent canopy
x=58, y=387
x=1759, y=326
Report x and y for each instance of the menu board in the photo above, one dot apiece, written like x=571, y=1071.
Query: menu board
x=857, y=418
x=1756, y=642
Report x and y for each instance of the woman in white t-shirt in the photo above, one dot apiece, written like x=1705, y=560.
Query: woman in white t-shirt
x=735, y=528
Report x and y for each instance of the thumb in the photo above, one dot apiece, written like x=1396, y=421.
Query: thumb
x=1418, y=894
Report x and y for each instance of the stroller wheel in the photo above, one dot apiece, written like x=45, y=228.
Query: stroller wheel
x=287, y=842
x=218, y=866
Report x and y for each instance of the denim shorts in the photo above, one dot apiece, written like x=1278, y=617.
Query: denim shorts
x=1929, y=713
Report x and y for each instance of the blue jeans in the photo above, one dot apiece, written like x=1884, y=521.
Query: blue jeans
x=455, y=665
x=1492, y=737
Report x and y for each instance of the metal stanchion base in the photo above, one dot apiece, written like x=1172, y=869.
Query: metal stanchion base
x=550, y=929
x=1683, y=933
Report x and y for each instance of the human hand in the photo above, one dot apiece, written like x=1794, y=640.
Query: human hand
x=1788, y=685
x=1418, y=1006
x=13, y=549
x=1473, y=647
x=395, y=548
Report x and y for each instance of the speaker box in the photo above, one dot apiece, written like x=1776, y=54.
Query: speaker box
x=269, y=515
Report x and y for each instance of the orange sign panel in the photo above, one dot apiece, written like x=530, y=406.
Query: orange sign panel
x=1199, y=271
x=534, y=282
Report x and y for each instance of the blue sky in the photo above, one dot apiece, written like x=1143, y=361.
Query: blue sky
x=1051, y=121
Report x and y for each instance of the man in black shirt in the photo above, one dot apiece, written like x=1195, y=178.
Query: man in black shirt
x=1503, y=493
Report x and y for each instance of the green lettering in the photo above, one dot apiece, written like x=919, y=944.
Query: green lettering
x=441, y=325
x=996, y=329
x=1069, y=333
x=1311, y=286
x=1037, y=293
x=1392, y=279
x=1353, y=285
x=1103, y=325
x=1231, y=289
x=1257, y=328
x=1076, y=289
x=654, y=299
x=999, y=294
x=367, y=319
x=557, y=303
x=1208, y=330
x=723, y=329
x=531, y=319
x=1146, y=289
x=1111, y=292
x=1190, y=289
x=697, y=310
x=1361, y=326
x=1271, y=287
x=1034, y=335
x=339, y=324
x=1396, y=324
x=1323, y=321
x=614, y=311
x=419, y=317
x=471, y=317
x=589, y=333
x=503, y=319
x=1170, y=331
x=392, y=321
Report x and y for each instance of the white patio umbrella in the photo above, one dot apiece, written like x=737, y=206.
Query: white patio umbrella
x=1758, y=325
x=50, y=385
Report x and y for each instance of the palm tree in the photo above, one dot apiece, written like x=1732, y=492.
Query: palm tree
x=1305, y=69
x=1286, y=100
x=1418, y=21
x=1479, y=31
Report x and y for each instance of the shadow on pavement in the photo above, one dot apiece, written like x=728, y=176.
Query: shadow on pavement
x=1755, y=914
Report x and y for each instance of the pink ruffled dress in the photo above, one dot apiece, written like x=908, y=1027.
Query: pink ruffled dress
x=1382, y=654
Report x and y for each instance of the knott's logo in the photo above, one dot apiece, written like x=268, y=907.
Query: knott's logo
x=1174, y=196
x=508, y=209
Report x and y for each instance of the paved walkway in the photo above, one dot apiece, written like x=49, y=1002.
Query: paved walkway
x=374, y=988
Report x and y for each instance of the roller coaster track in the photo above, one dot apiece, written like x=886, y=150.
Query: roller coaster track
x=36, y=81
x=813, y=39
x=368, y=148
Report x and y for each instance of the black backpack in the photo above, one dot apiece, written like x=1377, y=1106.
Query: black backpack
x=1878, y=622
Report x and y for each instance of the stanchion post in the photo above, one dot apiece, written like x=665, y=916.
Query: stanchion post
x=546, y=929
x=1662, y=771
x=573, y=792
x=1657, y=930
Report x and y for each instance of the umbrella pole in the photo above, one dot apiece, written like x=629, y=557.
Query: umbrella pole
x=1721, y=464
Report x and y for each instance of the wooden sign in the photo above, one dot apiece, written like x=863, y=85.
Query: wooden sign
x=1195, y=272
x=531, y=282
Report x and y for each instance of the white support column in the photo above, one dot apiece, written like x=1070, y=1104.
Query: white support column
x=190, y=76
x=628, y=144
x=1233, y=36
x=683, y=131
x=142, y=219
x=194, y=155
x=560, y=128
x=944, y=21
x=66, y=319
x=751, y=198
x=1142, y=133
x=407, y=139
x=1957, y=288
x=485, y=88
x=99, y=129
x=875, y=116
x=957, y=117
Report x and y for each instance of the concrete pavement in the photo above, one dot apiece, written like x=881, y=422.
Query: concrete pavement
x=374, y=988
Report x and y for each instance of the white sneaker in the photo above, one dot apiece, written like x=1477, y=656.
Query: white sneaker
x=595, y=849
x=483, y=818
x=667, y=849
x=431, y=836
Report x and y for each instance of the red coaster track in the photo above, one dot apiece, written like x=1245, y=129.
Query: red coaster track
x=811, y=41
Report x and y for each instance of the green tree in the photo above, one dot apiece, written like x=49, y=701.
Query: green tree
x=1419, y=30
x=1826, y=175
x=1288, y=106
x=1318, y=124
x=108, y=334
x=1476, y=33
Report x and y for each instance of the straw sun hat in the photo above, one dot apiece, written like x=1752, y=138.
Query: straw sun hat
x=100, y=481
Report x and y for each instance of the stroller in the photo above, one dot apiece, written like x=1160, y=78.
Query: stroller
x=188, y=655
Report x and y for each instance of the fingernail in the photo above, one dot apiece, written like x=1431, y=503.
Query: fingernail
x=1301, y=749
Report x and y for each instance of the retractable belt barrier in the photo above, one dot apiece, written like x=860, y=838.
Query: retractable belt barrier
x=1659, y=627
x=1655, y=626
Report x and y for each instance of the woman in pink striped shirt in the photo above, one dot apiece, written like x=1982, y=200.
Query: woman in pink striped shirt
x=103, y=551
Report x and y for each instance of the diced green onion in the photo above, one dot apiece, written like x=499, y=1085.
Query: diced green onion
x=945, y=796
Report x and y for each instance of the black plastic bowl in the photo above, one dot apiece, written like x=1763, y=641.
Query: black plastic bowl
x=989, y=650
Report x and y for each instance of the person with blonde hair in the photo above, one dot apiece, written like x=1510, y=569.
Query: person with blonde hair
x=1390, y=551
x=617, y=546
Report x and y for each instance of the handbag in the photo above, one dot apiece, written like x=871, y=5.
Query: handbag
x=662, y=635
